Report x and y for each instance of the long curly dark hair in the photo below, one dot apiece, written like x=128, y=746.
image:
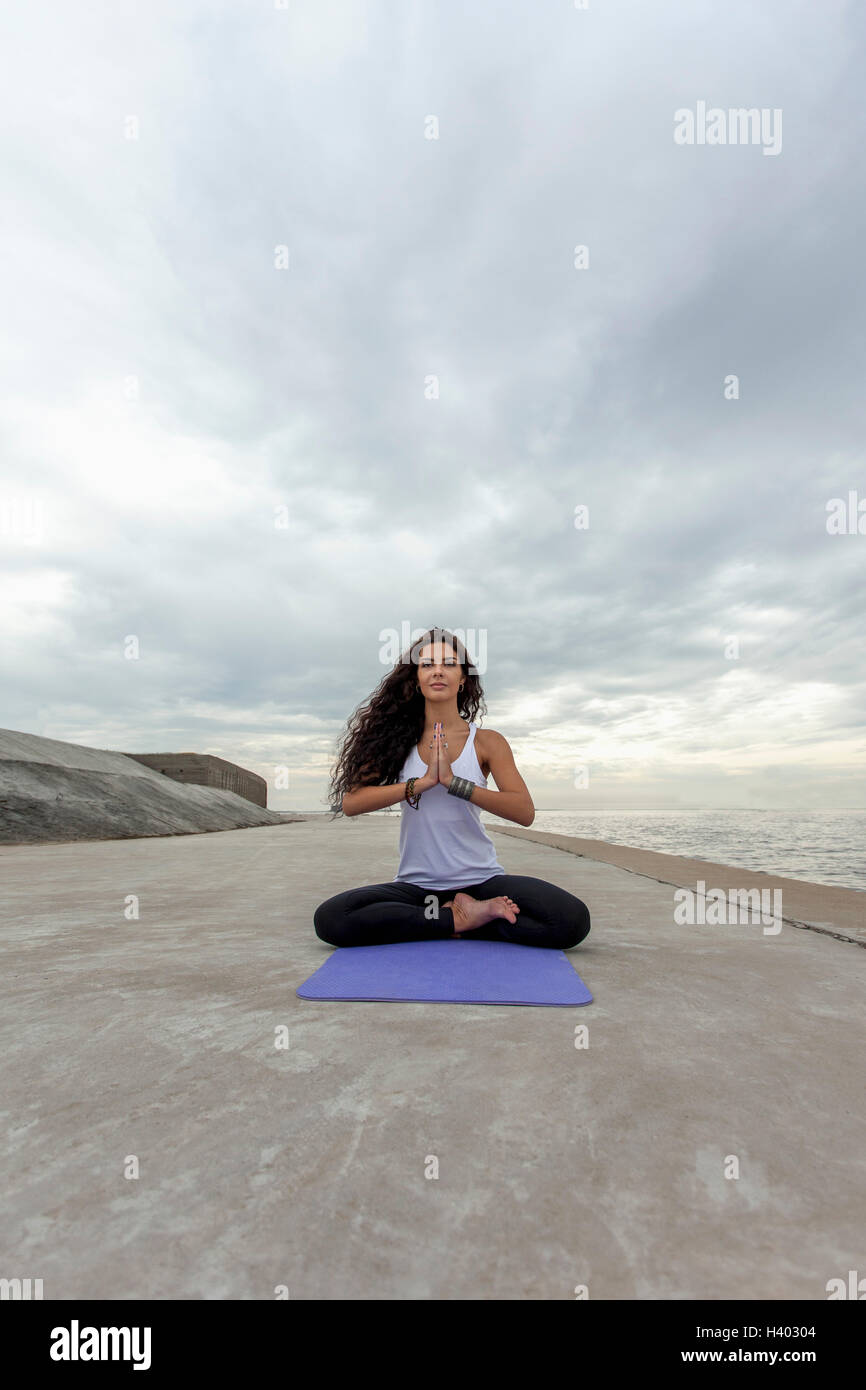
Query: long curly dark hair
x=381, y=732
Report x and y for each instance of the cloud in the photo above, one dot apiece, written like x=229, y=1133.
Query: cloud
x=255, y=470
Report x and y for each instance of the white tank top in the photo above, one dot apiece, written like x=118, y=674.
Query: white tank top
x=443, y=843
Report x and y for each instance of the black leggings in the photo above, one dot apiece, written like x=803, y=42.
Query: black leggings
x=384, y=912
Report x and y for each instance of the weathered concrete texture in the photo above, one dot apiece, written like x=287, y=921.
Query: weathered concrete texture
x=821, y=907
x=305, y=1166
x=54, y=791
x=204, y=770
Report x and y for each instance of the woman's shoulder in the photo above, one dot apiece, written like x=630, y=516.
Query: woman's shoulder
x=486, y=737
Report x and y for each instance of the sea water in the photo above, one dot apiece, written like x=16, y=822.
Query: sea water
x=819, y=846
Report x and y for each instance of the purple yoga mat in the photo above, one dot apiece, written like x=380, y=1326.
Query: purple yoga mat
x=448, y=972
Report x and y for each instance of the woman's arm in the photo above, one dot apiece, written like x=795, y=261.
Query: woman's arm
x=512, y=801
x=361, y=799
x=375, y=798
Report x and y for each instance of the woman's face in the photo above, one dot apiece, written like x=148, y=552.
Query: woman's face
x=439, y=672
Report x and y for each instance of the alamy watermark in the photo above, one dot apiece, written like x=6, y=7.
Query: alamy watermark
x=22, y=518
x=846, y=520
x=77, y=1343
x=855, y=1287
x=400, y=646
x=737, y=126
x=20, y=1288
x=717, y=908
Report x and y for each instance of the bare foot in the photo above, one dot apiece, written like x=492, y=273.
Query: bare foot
x=470, y=913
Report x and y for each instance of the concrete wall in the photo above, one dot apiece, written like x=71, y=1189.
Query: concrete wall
x=55, y=791
x=207, y=771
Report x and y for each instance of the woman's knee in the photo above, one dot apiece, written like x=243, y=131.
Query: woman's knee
x=580, y=923
x=326, y=920
x=568, y=914
x=551, y=903
x=575, y=913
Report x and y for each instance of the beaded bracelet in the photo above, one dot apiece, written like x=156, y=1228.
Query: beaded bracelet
x=409, y=787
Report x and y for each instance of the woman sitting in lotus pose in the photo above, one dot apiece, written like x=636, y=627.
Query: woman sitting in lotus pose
x=416, y=743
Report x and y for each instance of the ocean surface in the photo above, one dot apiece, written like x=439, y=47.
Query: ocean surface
x=820, y=846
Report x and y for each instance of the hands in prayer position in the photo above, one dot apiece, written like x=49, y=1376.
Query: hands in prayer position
x=468, y=912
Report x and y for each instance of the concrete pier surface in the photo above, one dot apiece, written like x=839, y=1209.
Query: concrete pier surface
x=147, y=1043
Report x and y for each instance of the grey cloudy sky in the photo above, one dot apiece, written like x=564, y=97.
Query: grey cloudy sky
x=431, y=385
